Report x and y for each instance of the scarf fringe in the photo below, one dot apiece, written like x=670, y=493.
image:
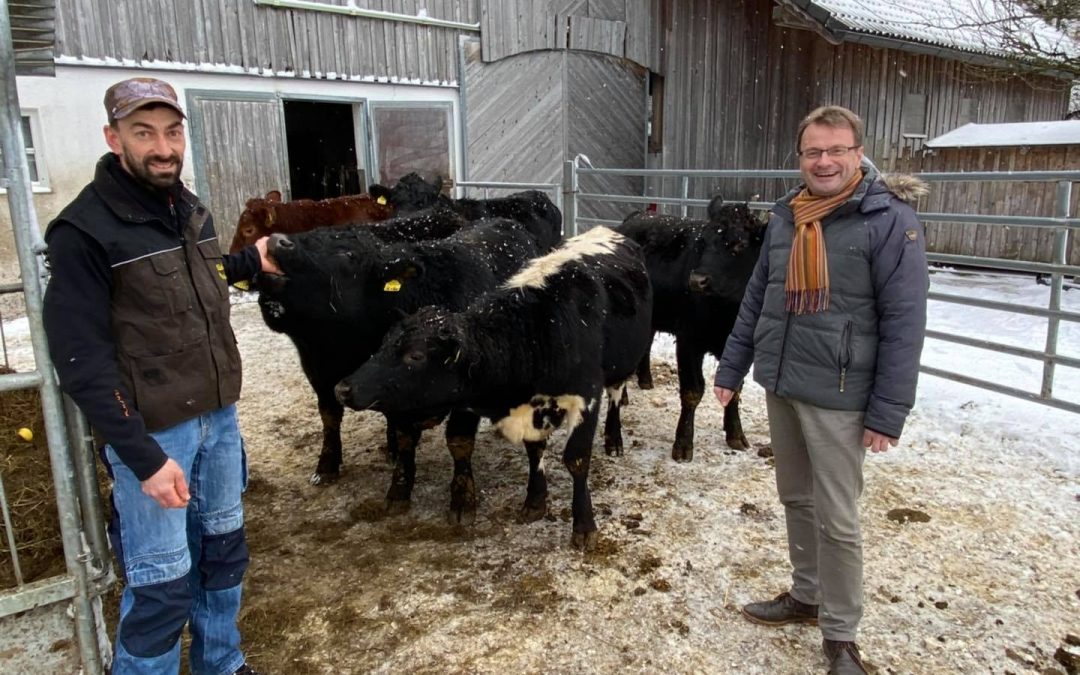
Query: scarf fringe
x=806, y=301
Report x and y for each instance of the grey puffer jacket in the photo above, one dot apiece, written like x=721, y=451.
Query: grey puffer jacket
x=863, y=352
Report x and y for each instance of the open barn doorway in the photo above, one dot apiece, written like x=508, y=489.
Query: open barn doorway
x=322, y=144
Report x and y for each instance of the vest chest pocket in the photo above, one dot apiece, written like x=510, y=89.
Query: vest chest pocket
x=211, y=256
x=170, y=282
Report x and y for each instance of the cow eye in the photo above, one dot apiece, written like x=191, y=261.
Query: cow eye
x=415, y=358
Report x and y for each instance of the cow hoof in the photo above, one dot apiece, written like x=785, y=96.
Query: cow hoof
x=323, y=477
x=396, y=507
x=531, y=514
x=614, y=450
x=585, y=541
x=739, y=443
x=461, y=516
x=682, y=453
x=645, y=384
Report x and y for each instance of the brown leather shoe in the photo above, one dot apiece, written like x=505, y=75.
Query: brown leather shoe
x=844, y=658
x=781, y=610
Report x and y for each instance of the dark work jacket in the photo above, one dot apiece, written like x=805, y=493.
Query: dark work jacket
x=137, y=310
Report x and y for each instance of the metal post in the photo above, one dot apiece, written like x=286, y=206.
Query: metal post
x=1057, y=280
x=82, y=450
x=684, y=192
x=28, y=244
x=569, y=190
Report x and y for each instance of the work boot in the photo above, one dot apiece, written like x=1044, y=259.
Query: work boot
x=781, y=610
x=843, y=658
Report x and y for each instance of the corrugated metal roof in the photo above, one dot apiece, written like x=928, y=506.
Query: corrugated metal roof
x=1016, y=133
x=33, y=34
x=966, y=25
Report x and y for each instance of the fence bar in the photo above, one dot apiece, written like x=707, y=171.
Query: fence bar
x=1025, y=221
x=11, y=288
x=1005, y=306
x=684, y=192
x=82, y=448
x=1001, y=389
x=1002, y=264
x=17, y=381
x=1057, y=280
x=1046, y=357
x=10, y=530
x=37, y=594
x=27, y=242
x=570, y=197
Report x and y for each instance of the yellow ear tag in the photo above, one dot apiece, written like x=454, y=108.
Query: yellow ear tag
x=221, y=270
x=243, y=285
x=392, y=286
x=380, y=200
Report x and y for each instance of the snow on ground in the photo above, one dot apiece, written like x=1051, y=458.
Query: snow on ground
x=989, y=584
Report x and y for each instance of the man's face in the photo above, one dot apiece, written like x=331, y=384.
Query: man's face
x=150, y=143
x=826, y=175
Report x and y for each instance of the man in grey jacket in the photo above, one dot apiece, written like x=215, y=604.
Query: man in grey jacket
x=833, y=320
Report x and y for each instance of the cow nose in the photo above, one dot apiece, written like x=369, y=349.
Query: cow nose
x=278, y=241
x=700, y=283
x=342, y=392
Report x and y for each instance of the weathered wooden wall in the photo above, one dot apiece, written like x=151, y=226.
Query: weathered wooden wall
x=622, y=28
x=996, y=198
x=240, y=34
x=736, y=87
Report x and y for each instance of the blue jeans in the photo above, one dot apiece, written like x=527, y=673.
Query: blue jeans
x=183, y=566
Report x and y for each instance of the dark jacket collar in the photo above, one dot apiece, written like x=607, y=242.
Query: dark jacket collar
x=134, y=202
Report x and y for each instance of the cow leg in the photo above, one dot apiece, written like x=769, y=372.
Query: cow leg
x=644, y=369
x=733, y=431
x=461, y=440
x=401, y=483
x=577, y=456
x=691, y=388
x=613, y=440
x=391, y=443
x=329, y=468
x=536, y=504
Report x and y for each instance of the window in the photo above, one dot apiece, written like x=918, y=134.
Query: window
x=31, y=133
x=913, y=116
x=411, y=137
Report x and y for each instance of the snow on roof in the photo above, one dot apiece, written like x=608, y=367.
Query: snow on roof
x=967, y=25
x=1015, y=133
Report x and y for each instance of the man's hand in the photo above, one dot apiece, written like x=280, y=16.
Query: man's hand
x=167, y=487
x=877, y=442
x=267, y=262
x=723, y=395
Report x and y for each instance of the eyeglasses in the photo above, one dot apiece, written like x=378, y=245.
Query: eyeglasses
x=836, y=152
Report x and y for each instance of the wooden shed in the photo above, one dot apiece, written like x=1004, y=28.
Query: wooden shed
x=1017, y=146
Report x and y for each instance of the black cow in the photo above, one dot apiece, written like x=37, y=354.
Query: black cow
x=699, y=271
x=532, y=355
x=413, y=193
x=340, y=292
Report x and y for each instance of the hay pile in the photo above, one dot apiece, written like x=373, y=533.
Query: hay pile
x=28, y=484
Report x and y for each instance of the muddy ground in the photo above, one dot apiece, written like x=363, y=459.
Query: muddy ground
x=989, y=584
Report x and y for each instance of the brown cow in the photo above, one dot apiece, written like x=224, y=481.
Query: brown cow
x=263, y=217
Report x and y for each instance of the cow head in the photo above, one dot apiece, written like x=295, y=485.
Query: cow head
x=411, y=193
x=421, y=365
x=729, y=248
x=254, y=222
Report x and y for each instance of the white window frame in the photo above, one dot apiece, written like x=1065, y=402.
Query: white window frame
x=34, y=153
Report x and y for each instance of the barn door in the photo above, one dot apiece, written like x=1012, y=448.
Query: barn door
x=238, y=145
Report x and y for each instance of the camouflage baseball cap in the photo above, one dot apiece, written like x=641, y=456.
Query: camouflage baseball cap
x=127, y=96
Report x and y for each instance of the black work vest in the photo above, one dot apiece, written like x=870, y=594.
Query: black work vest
x=169, y=307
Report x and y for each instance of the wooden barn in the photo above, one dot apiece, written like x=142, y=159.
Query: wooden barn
x=319, y=97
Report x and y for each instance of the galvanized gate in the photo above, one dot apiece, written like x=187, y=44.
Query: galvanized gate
x=1057, y=270
x=55, y=624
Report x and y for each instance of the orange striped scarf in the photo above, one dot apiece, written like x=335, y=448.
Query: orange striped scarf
x=807, y=286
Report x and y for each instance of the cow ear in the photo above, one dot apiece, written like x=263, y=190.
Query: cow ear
x=403, y=270
x=379, y=193
x=273, y=196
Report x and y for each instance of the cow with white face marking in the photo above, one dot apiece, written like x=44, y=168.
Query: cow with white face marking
x=534, y=355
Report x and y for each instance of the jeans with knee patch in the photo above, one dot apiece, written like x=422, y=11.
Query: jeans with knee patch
x=183, y=566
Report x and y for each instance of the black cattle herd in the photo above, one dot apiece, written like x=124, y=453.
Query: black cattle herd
x=462, y=309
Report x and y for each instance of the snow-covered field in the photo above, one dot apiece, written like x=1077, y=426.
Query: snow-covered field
x=990, y=583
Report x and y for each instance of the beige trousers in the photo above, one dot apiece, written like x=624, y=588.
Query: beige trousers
x=819, y=457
